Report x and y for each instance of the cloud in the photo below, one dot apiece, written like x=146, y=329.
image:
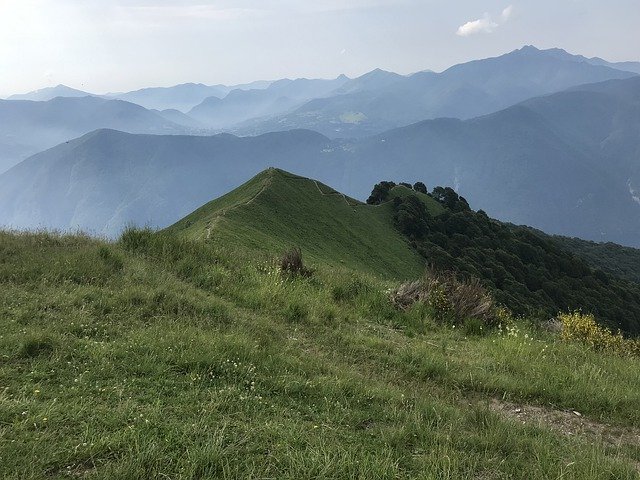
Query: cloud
x=482, y=25
x=506, y=13
x=486, y=24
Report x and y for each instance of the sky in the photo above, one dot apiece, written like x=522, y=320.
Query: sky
x=119, y=45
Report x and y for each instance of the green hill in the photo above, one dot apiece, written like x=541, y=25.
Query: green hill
x=527, y=271
x=188, y=354
x=276, y=210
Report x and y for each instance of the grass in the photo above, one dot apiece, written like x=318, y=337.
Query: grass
x=267, y=213
x=166, y=357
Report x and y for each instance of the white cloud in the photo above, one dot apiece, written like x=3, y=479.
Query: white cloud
x=506, y=13
x=486, y=24
x=482, y=25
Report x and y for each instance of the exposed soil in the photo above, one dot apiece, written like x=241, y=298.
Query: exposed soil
x=570, y=423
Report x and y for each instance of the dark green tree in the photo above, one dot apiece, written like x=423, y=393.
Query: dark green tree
x=380, y=193
x=420, y=188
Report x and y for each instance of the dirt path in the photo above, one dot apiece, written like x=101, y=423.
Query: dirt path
x=570, y=423
x=567, y=422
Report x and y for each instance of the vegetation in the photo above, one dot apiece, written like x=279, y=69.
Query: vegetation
x=526, y=272
x=164, y=357
x=450, y=299
x=277, y=210
x=291, y=263
x=616, y=260
x=195, y=353
x=577, y=327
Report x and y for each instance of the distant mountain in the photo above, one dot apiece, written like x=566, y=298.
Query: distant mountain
x=181, y=97
x=566, y=163
x=49, y=93
x=28, y=127
x=179, y=118
x=380, y=100
x=107, y=179
x=370, y=82
x=626, y=66
x=242, y=105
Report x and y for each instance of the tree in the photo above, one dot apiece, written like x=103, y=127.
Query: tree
x=412, y=217
x=420, y=188
x=450, y=199
x=380, y=193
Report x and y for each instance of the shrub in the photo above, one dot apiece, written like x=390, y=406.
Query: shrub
x=583, y=328
x=291, y=263
x=450, y=298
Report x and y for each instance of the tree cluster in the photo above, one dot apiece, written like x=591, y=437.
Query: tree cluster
x=381, y=191
x=527, y=271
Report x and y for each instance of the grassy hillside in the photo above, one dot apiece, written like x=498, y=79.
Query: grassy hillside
x=188, y=354
x=277, y=210
x=160, y=357
x=527, y=272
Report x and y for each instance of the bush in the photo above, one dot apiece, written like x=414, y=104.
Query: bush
x=291, y=263
x=583, y=328
x=450, y=298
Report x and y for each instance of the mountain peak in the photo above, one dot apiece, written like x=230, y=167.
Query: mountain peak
x=528, y=49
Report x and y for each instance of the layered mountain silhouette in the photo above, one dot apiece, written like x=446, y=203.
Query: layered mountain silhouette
x=243, y=105
x=181, y=97
x=108, y=179
x=565, y=163
x=28, y=127
x=49, y=93
x=381, y=100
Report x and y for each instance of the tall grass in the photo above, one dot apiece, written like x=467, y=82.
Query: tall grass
x=157, y=357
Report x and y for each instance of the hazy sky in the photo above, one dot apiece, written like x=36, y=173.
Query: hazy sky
x=115, y=45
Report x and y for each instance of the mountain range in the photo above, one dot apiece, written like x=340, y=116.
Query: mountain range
x=49, y=93
x=28, y=127
x=566, y=163
x=181, y=97
x=381, y=100
x=243, y=105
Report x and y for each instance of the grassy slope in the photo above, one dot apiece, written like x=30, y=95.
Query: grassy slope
x=170, y=358
x=277, y=210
